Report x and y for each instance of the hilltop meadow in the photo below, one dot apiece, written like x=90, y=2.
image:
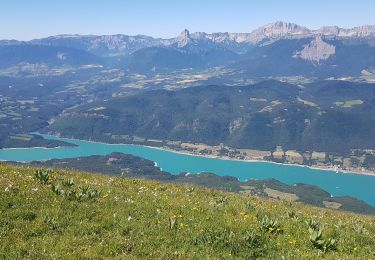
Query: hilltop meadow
x=64, y=214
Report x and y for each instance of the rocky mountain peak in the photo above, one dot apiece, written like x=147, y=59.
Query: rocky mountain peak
x=361, y=31
x=184, y=38
x=356, y=32
x=277, y=30
x=329, y=30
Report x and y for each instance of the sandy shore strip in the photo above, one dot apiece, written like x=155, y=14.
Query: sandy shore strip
x=331, y=169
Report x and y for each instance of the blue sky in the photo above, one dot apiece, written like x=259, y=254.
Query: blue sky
x=27, y=19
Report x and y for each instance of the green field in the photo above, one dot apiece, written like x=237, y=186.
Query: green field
x=63, y=214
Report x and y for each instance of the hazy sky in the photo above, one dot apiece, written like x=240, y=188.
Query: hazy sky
x=26, y=19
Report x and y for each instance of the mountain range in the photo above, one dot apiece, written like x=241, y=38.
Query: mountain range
x=276, y=49
x=124, y=44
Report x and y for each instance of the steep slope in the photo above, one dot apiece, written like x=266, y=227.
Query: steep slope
x=311, y=57
x=275, y=59
x=260, y=116
x=75, y=215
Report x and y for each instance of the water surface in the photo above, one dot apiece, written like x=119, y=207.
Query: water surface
x=359, y=186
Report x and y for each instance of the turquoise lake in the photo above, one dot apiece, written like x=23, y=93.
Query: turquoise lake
x=358, y=186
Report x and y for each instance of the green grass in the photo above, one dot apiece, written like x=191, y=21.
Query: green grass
x=77, y=215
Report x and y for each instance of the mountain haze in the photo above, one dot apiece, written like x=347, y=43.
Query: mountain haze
x=275, y=49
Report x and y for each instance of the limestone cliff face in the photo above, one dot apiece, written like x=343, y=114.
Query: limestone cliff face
x=277, y=30
x=316, y=51
x=356, y=32
x=184, y=38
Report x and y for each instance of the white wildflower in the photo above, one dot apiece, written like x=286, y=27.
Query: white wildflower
x=8, y=188
x=129, y=200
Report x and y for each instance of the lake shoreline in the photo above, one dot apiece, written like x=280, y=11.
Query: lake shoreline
x=367, y=173
x=330, y=169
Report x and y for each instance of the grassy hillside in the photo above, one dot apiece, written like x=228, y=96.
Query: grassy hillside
x=70, y=214
x=119, y=164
